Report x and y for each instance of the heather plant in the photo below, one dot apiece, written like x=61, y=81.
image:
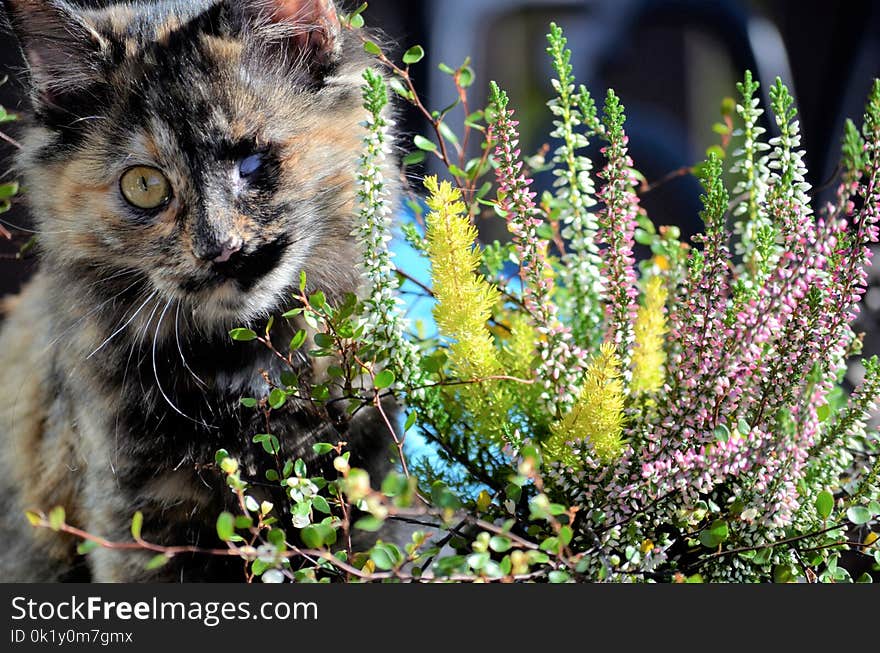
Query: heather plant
x=8, y=189
x=588, y=417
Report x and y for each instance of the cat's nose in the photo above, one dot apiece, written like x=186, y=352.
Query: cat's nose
x=219, y=252
x=229, y=248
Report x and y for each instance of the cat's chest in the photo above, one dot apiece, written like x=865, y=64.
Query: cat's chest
x=190, y=406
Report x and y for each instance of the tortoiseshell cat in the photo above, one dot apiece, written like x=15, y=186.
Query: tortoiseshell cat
x=186, y=161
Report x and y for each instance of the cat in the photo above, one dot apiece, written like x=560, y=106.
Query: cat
x=185, y=162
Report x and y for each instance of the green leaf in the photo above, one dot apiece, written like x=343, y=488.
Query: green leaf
x=270, y=442
x=298, y=339
x=551, y=544
x=311, y=536
x=386, y=556
x=399, y=88
x=500, y=544
x=410, y=421
x=289, y=379
x=466, y=78
x=858, y=515
x=56, y=518
x=717, y=532
x=513, y=492
x=370, y=524
x=318, y=535
x=558, y=577
x=157, y=561
x=226, y=526
x=320, y=504
x=318, y=300
x=85, y=546
x=277, y=398
x=783, y=574
x=565, y=535
x=137, y=523
x=248, y=402
x=414, y=55
x=717, y=150
x=424, y=144
x=276, y=538
x=452, y=137
x=259, y=566
x=372, y=48
x=9, y=190
x=824, y=504
x=356, y=21
x=324, y=341
x=394, y=484
x=414, y=158
x=322, y=448
x=242, y=335
x=823, y=412
x=384, y=379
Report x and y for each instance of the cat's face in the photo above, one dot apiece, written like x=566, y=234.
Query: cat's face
x=210, y=146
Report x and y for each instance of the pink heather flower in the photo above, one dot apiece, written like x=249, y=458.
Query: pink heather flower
x=616, y=235
x=561, y=361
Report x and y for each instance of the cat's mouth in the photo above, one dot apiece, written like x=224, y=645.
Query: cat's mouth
x=248, y=285
x=244, y=270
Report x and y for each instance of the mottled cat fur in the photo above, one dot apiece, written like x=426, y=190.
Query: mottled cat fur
x=119, y=379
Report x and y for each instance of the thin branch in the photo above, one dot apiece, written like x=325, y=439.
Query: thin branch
x=14, y=143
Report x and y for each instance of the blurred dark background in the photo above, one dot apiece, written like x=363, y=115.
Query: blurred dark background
x=671, y=61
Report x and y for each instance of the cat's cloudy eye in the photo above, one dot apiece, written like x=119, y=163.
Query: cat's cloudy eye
x=250, y=165
x=145, y=187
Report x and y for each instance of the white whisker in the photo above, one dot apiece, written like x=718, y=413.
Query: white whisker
x=87, y=315
x=123, y=327
x=180, y=348
x=156, y=371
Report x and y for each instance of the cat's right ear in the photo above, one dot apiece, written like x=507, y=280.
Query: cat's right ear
x=62, y=50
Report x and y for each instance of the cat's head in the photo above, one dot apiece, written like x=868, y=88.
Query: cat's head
x=209, y=145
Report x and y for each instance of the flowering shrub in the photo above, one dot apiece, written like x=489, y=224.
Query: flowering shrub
x=590, y=417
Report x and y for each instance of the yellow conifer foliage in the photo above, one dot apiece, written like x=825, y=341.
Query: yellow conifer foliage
x=596, y=420
x=649, y=358
x=464, y=298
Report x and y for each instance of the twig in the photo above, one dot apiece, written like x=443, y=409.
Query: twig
x=11, y=141
x=646, y=188
x=744, y=549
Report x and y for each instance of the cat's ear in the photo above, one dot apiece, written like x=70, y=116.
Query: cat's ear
x=312, y=27
x=62, y=50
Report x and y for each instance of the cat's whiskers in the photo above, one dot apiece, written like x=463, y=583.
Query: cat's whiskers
x=91, y=312
x=85, y=118
x=135, y=344
x=118, y=275
x=156, y=370
x=26, y=230
x=180, y=348
x=123, y=327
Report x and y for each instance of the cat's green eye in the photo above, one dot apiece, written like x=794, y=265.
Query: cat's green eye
x=145, y=187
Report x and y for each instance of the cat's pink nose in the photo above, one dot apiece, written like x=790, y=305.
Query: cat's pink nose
x=227, y=250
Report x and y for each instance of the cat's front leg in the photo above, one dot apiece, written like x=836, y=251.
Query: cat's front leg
x=179, y=515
